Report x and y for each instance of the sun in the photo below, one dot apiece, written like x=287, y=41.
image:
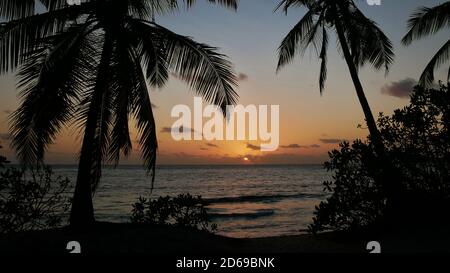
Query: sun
x=246, y=159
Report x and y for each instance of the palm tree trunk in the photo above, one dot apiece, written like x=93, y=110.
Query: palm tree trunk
x=371, y=124
x=82, y=213
x=389, y=179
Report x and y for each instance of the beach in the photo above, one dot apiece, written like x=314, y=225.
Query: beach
x=110, y=238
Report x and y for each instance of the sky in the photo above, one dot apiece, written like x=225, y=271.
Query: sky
x=310, y=124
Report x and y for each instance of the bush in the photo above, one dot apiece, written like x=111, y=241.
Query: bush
x=417, y=143
x=3, y=160
x=31, y=200
x=183, y=211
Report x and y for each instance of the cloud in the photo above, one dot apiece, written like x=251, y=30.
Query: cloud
x=5, y=136
x=7, y=111
x=204, y=149
x=166, y=130
x=212, y=145
x=242, y=77
x=253, y=147
x=181, y=129
x=298, y=146
x=154, y=106
x=292, y=146
x=331, y=140
x=400, y=89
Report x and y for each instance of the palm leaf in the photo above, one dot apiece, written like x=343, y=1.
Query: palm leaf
x=284, y=5
x=143, y=113
x=145, y=9
x=14, y=9
x=51, y=81
x=209, y=73
x=55, y=4
x=367, y=41
x=323, y=58
x=290, y=44
x=121, y=83
x=426, y=21
x=20, y=35
x=152, y=51
x=232, y=4
x=442, y=56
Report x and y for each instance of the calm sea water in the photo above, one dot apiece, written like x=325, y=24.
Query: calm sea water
x=246, y=201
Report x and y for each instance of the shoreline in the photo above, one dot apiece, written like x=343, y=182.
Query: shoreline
x=110, y=238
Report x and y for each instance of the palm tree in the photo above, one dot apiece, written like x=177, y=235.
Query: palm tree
x=426, y=21
x=360, y=41
x=92, y=65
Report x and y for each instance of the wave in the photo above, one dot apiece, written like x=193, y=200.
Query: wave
x=246, y=215
x=259, y=198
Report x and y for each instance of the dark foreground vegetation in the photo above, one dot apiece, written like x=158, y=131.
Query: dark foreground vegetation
x=108, y=238
x=417, y=141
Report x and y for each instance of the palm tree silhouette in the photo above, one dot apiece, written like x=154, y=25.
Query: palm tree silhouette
x=426, y=21
x=92, y=64
x=359, y=39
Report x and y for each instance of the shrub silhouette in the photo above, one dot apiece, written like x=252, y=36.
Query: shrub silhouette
x=33, y=199
x=3, y=160
x=184, y=210
x=417, y=141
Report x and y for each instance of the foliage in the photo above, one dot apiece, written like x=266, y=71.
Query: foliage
x=184, y=210
x=3, y=160
x=424, y=22
x=368, y=43
x=417, y=140
x=30, y=200
x=93, y=64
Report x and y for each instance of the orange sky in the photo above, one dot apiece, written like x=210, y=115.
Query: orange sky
x=250, y=39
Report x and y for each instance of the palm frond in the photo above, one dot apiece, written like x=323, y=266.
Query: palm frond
x=313, y=36
x=426, y=21
x=231, y=4
x=152, y=51
x=102, y=137
x=20, y=35
x=56, y=4
x=284, y=5
x=208, y=72
x=290, y=44
x=15, y=9
x=145, y=9
x=442, y=56
x=367, y=41
x=323, y=58
x=95, y=111
x=143, y=113
x=121, y=83
x=104, y=105
x=51, y=81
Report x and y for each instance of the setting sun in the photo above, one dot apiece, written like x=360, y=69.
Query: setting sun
x=195, y=131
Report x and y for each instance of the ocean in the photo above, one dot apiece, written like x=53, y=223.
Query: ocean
x=245, y=201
